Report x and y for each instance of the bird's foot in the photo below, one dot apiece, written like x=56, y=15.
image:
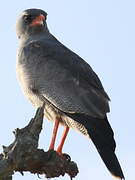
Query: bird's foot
x=64, y=155
x=59, y=150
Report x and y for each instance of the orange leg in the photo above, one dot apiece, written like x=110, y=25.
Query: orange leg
x=55, y=129
x=59, y=149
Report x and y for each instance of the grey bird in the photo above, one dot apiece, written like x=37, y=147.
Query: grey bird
x=73, y=95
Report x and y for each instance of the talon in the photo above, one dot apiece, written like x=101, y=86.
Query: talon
x=66, y=156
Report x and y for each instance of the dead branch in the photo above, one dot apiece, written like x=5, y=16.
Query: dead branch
x=23, y=154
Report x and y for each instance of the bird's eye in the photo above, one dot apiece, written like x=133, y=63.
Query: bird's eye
x=27, y=18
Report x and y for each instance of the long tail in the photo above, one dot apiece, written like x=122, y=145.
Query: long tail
x=102, y=136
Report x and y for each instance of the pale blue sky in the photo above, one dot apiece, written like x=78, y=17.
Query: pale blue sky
x=101, y=32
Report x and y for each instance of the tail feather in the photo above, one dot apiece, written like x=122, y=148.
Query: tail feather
x=102, y=136
x=109, y=158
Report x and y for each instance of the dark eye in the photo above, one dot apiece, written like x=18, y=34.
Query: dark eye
x=27, y=18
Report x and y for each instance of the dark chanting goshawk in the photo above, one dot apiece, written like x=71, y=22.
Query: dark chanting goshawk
x=53, y=75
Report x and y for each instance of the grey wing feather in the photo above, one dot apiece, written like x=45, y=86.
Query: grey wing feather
x=65, y=79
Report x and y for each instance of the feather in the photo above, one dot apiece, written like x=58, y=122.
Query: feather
x=102, y=135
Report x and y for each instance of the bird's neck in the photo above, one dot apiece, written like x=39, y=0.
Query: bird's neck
x=34, y=36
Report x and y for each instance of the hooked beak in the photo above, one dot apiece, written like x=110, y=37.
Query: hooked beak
x=38, y=20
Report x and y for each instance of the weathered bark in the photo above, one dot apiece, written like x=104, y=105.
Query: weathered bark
x=23, y=154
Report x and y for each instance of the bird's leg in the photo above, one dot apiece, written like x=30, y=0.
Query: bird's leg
x=59, y=149
x=55, y=129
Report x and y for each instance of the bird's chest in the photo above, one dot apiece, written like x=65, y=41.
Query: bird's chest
x=27, y=84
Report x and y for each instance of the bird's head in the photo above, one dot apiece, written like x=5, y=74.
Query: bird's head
x=31, y=21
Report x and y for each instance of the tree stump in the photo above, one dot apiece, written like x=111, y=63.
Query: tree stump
x=23, y=154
